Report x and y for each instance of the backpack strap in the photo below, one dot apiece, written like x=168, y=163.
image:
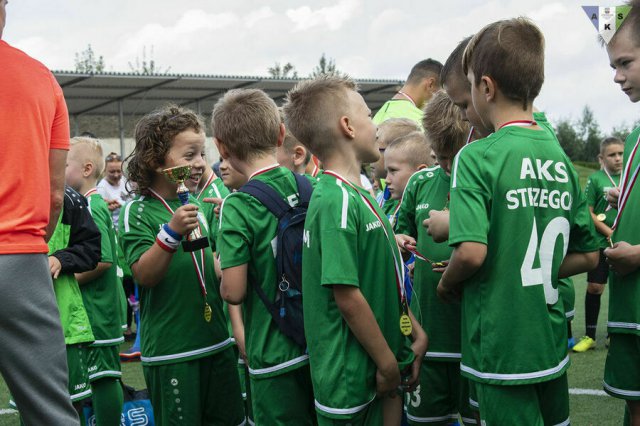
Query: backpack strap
x=268, y=196
x=304, y=189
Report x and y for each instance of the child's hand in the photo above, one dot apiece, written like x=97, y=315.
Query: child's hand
x=185, y=219
x=54, y=267
x=405, y=240
x=440, y=267
x=438, y=225
x=217, y=202
x=612, y=197
x=387, y=381
x=448, y=295
x=419, y=348
x=623, y=257
x=113, y=204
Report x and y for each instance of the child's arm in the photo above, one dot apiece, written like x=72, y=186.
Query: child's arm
x=601, y=227
x=237, y=325
x=357, y=313
x=419, y=348
x=623, y=257
x=149, y=270
x=233, y=287
x=85, y=277
x=466, y=259
x=576, y=263
x=83, y=250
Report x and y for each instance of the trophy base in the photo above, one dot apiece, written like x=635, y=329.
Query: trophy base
x=197, y=244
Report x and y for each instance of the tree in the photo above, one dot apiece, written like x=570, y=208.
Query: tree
x=588, y=132
x=325, y=66
x=278, y=71
x=569, y=140
x=147, y=67
x=86, y=61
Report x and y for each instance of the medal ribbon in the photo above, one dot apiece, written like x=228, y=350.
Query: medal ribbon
x=199, y=272
x=264, y=170
x=400, y=92
x=518, y=123
x=90, y=192
x=209, y=180
x=392, y=242
x=628, y=180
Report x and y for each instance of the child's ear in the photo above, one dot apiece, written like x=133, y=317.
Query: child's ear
x=299, y=155
x=421, y=166
x=488, y=88
x=345, y=127
x=281, y=134
x=87, y=169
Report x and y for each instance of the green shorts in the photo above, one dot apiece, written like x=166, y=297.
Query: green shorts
x=567, y=293
x=104, y=361
x=442, y=395
x=371, y=416
x=622, y=368
x=203, y=391
x=286, y=399
x=538, y=404
x=79, y=387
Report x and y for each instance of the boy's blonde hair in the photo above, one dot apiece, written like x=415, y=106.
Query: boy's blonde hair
x=511, y=52
x=247, y=123
x=313, y=108
x=414, y=147
x=89, y=150
x=443, y=125
x=394, y=128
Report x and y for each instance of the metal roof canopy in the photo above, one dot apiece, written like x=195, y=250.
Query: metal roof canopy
x=128, y=94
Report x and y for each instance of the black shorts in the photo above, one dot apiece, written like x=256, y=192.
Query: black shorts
x=600, y=274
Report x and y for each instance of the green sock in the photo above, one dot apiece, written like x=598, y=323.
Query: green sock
x=107, y=401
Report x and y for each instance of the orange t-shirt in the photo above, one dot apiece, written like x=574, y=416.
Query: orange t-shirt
x=33, y=120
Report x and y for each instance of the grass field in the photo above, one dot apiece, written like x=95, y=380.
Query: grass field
x=586, y=372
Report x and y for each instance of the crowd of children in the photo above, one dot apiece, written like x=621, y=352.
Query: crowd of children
x=473, y=331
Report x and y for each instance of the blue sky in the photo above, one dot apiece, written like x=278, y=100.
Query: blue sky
x=367, y=39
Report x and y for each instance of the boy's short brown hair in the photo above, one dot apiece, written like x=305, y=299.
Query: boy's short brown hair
x=247, y=123
x=313, y=108
x=611, y=140
x=511, y=52
x=452, y=68
x=443, y=124
x=394, y=128
x=90, y=149
x=414, y=147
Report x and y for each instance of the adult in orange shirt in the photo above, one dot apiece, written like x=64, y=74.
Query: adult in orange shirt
x=34, y=130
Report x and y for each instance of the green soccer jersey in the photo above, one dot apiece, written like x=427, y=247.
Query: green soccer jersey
x=517, y=192
x=596, y=192
x=247, y=234
x=345, y=243
x=102, y=296
x=624, y=292
x=428, y=190
x=213, y=189
x=399, y=108
x=390, y=209
x=172, y=318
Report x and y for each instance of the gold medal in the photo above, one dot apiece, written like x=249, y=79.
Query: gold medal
x=405, y=325
x=207, y=312
x=601, y=217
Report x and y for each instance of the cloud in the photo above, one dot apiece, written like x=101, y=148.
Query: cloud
x=332, y=17
x=257, y=16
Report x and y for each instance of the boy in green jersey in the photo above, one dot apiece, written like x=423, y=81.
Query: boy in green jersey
x=520, y=223
x=187, y=354
x=74, y=247
x=247, y=129
x=622, y=369
x=443, y=394
x=357, y=322
x=101, y=288
x=598, y=185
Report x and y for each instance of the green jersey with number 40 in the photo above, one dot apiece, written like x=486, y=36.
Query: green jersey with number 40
x=517, y=193
x=624, y=296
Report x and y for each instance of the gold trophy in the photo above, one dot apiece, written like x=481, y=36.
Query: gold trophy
x=195, y=240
